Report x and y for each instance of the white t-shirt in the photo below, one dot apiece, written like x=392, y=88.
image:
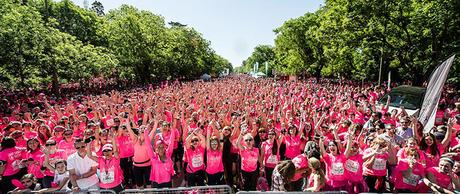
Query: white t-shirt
x=58, y=178
x=81, y=166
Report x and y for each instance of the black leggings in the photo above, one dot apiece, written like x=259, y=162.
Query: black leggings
x=371, y=183
x=142, y=175
x=196, y=178
x=216, y=179
x=268, y=176
x=126, y=165
x=162, y=185
x=249, y=180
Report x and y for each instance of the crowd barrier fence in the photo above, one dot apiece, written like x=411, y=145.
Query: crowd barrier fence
x=217, y=189
x=91, y=191
x=296, y=192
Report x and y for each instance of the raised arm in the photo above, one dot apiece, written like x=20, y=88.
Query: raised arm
x=450, y=123
x=89, y=153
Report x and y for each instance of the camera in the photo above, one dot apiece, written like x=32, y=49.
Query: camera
x=89, y=139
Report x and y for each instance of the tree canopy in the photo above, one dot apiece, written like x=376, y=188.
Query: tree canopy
x=350, y=39
x=45, y=42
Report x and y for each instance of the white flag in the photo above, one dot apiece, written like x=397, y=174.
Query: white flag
x=433, y=94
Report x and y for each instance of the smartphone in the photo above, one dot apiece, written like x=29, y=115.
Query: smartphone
x=89, y=139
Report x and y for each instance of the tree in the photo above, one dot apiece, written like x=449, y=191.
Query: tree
x=97, y=7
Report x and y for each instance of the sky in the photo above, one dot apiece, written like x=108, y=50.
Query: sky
x=234, y=27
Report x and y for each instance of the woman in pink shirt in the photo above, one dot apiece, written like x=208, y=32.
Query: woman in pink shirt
x=126, y=145
x=194, y=157
x=375, y=163
x=160, y=156
x=214, y=165
x=409, y=173
x=110, y=173
x=270, y=155
x=44, y=133
x=249, y=161
x=354, y=166
x=411, y=144
x=11, y=163
x=53, y=155
x=141, y=158
x=33, y=157
x=335, y=166
x=292, y=141
x=67, y=144
x=442, y=178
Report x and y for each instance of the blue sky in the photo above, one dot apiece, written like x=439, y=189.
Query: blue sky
x=234, y=27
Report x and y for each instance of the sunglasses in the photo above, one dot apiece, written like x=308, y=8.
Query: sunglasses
x=262, y=132
x=67, y=134
x=271, y=134
x=106, y=150
x=195, y=140
x=248, y=140
x=80, y=147
x=50, y=144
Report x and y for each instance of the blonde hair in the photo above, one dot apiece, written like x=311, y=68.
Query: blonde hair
x=315, y=164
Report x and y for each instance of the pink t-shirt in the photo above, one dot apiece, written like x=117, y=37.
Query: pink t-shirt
x=442, y=179
x=413, y=180
x=402, y=155
x=110, y=171
x=195, y=159
x=125, y=145
x=300, y=162
x=67, y=147
x=58, y=154
x=292, y=146
x=214, y=161
x=379, y=166
x=270, y=160
x=335, y=169
x=34, y=167
x=141, y=156
x=249, y=159
x=354, y=168
x=21, y=143
x=161, y=172
x=13, y=157
x=167, y=135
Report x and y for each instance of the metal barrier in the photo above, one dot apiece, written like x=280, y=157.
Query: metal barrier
x=218, y=189
x=295, y=192
x=91, y=191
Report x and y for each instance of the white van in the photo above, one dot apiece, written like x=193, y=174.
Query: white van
x=409, y=97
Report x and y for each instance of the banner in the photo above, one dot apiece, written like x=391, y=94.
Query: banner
x=433, y=94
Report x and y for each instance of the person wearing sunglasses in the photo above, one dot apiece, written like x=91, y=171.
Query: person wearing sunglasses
x=58, y=133
x=194, y=157
x=270, y=155
x=18, y=137
x=160, y=154
x=67, y=143
x=249, y=160
x=82, y=169
x=111, y=175
x=53, y=154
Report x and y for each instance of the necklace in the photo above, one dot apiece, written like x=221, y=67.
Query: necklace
x=107, y=167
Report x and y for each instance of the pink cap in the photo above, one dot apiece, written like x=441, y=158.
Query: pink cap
x=107, y=147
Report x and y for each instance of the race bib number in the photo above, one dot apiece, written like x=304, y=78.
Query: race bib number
x=379, y=164
x=272, y=159
x=337, y=169
x=352, y=166
x=197, y=161
x=411, y=180
x=107, y=177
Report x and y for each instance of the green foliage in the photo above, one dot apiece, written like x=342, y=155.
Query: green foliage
x=43, y=41
x=349, y=39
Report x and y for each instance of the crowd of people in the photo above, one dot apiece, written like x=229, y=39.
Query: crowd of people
x=251, y=134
